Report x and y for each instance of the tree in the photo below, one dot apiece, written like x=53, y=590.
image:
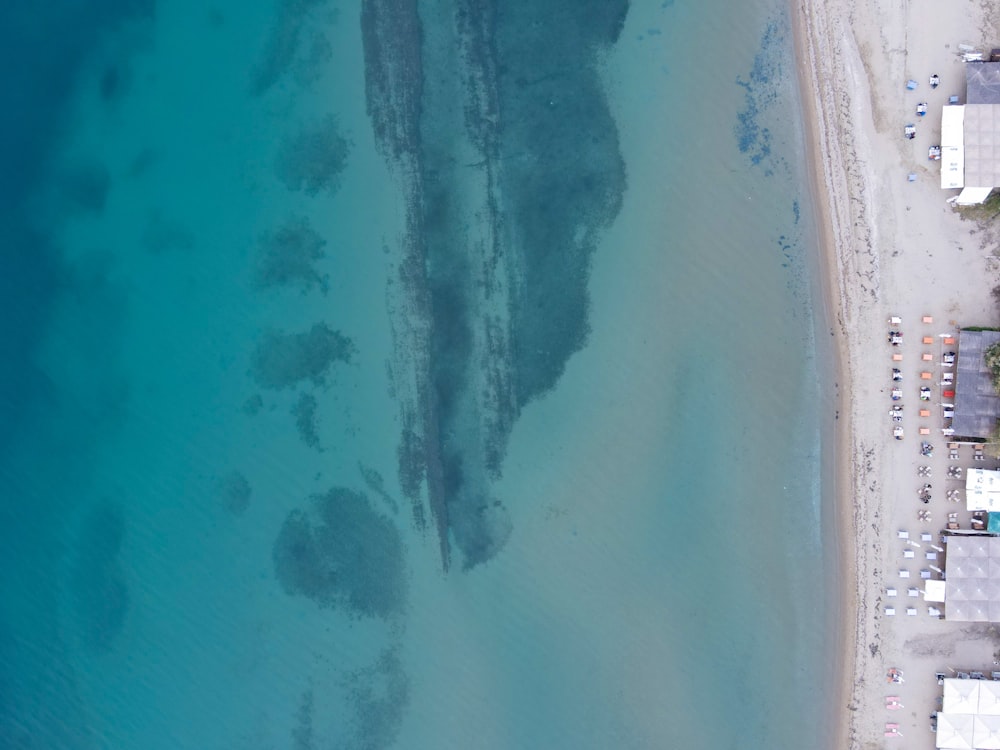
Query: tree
x=992, y=359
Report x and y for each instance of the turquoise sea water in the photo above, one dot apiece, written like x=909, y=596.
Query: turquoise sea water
x=418, y=375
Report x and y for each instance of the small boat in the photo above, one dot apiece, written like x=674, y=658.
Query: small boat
x=921, y=109
x=910, y=131
x=934, y=153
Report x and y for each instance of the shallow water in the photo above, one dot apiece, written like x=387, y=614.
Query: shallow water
x=409, y=375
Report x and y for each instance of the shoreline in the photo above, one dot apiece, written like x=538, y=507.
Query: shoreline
x=846, y=596
x=888, y=245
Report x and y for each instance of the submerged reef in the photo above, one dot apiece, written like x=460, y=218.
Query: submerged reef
x=307, y=420
x=282, y=360
x=234, y=492
x=161, y=235
x=378, y=698
x=376, y=484
x=86, y=187
x=288, y=256
x=283, y=53
x=252, y=406
x=98, y=579
x=312, y=159
x=302, y=732
x=494, y=119
x=342, y=553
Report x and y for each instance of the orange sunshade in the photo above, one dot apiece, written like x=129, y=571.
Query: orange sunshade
x=928, y=339
x=927, y=319
x=925, y=412
x=949, y=339
x=925, y=376
x=897, y=357
x=925, y=431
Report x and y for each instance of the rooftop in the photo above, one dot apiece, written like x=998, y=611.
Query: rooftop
x=977, y=405
x=982, y=80
x=982, y=145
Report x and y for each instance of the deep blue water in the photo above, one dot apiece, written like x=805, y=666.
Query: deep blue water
x=378, y=375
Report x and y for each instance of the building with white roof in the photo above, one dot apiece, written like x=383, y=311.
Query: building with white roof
x=982, y=490
x=970, y=715
x=970, y=136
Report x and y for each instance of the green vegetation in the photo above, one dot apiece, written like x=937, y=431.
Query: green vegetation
x=993, y=441
x=992, y=359
x=985, y=211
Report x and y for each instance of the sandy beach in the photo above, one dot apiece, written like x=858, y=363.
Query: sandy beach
x=893, y=248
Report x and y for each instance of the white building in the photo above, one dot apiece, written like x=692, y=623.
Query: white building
x=969, y=716
x=970, y=136
x=982, y=490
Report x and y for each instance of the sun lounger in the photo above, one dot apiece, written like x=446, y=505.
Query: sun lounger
x=890, y=591
x=932, y=555
x=926, y=537
x=908, y=554
x=904, y=574
x=912, y=592
x=890, y=611
x=903, y=534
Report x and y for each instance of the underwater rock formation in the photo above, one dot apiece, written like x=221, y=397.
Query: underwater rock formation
x=342, y=553
x=282, y=360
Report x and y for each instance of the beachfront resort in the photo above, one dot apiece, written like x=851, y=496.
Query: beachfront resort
x=936, y=604
x=944, y=410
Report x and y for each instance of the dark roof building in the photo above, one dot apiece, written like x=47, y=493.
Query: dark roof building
x=982, y=80
x=977, y=405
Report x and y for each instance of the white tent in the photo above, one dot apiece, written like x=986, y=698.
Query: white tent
x=957, y=610
x=972, y=581
x=958, y=546
x=982, y=490
x=986, y=733
x=955, y=731
x=952, y=147
x=934, y=591
x=960, y=696
x=972, y=196
x=989, y=698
